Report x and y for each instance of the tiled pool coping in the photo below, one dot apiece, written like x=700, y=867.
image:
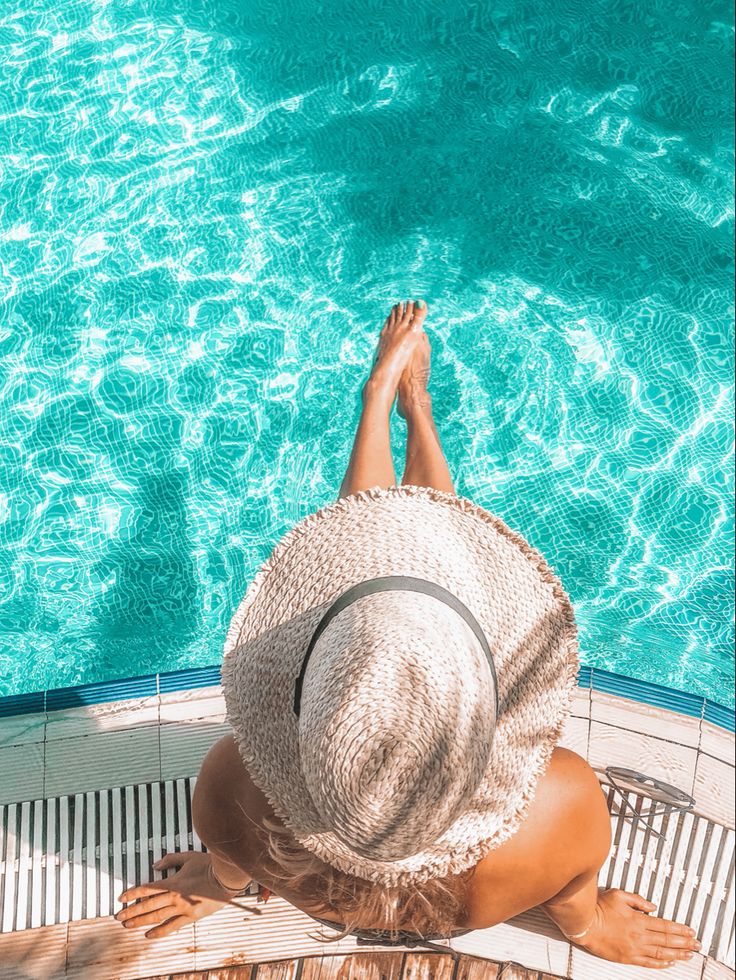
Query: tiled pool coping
x=589, y=678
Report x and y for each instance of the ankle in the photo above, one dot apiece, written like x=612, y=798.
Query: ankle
x=416, y=403
x=376, y=393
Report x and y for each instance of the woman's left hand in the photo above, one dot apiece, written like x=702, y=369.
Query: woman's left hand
x=176, y=901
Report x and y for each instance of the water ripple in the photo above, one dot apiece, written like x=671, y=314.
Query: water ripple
x=206, y=211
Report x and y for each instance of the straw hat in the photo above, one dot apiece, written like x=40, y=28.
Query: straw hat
x=397, y=677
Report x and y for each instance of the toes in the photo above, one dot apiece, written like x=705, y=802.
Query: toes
x=420, y=312
x=408, y=313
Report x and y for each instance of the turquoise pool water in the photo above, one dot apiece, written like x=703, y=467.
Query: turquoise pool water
x=207, y=210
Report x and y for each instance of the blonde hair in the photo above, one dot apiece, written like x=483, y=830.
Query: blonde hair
x=434, y=907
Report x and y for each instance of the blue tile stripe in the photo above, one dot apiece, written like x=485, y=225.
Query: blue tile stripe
x=592, y=678
x=116, y=690
x=22, y=704
x=717, y=714
x=638, y=690
x=181, y=680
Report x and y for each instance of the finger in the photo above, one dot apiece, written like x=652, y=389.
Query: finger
x=172, y=925
x=653, y=964
x=141, y=891
x=671, y=942
x=669, y=928
x=666, y=953
x=639, y=902
x=175, y=859
x=675, y=939
x=151, y=918
x=144, y=905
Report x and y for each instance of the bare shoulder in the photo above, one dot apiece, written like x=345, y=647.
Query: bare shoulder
x=224, y=775
x=583, y=807
x=571, y=772
x=567, y=816
x=225, y=797
x=574, y=782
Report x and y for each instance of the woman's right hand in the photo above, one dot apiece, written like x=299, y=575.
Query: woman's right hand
x=621, y=933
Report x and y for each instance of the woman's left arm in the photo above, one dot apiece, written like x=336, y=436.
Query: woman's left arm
x=231, y=878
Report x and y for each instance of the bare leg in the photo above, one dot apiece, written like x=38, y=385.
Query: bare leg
x=426, y=465
x=371, y=463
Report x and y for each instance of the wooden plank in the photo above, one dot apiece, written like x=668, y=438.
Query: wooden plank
x=229, y=973
x=428, y=966
x=281, y=970
x=91, y=861
x=11, y=845
x=475, y=968
x=131, y=871
x=24, y=867
x=373, y=966
x=77, y=869
x=37, y=869
x=52, y=871
x=324, y=968
x=512, y=971
x=64, y=886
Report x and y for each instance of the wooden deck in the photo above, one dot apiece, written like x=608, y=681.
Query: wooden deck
x=371, y=966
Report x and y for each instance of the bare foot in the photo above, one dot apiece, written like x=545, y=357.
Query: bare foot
x=415, y=379
x=399, y=336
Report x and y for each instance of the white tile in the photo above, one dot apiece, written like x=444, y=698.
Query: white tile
x=21, y=772
x=717, y=971
x=21, y=729
x=575, y=735
x=102, y=948
x=580, y=707
x=645, y=718
x=585, y=966
x=246, y=933
x=38, y=953
x=716, y=741
x=109, y=716
x=75, y=765
x=185, y=744
x=714, y=789
x=199, y=702
x=667, y=761
x=530, y=937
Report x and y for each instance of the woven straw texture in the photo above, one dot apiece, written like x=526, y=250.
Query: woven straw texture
x=387, y=775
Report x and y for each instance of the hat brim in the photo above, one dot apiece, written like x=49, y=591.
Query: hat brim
x=519, y=602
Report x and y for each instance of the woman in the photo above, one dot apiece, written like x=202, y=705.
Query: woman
x=397, y=678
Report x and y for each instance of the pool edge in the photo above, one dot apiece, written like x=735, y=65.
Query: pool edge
x=589, y=678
